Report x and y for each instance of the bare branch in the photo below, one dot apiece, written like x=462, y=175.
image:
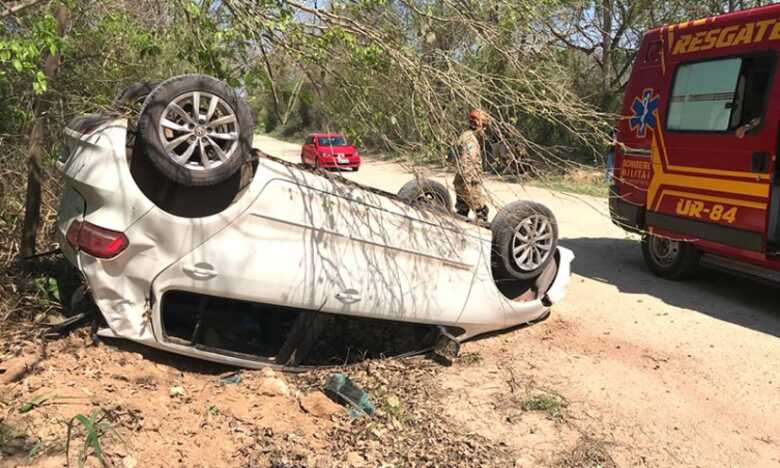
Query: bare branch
x=18, y=7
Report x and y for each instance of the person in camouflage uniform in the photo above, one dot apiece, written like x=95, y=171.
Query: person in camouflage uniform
x=468, y=168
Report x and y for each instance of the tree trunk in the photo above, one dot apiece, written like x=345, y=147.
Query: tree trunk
x=37, y=138
x=269, y=71
x=607, y=49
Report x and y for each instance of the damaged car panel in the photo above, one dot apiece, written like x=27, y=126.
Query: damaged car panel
x=292, y=246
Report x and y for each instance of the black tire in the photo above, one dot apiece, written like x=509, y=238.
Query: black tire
x=530, y=220
x=674, y=260
x=130, y=102
x=132, y=98
x=426, y=193
x=188, y=201
x=215, y=149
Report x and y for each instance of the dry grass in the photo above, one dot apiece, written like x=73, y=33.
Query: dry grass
x=578, y=180
x=26, y=286
x=588, y=453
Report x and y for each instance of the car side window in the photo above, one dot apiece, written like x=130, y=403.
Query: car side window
x=720, y=95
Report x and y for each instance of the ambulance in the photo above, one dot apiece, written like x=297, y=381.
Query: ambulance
x=695, y=166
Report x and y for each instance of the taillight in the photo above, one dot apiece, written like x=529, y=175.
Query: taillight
x=95, y=240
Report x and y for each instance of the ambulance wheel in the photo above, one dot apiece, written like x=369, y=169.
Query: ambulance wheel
x=670, y=259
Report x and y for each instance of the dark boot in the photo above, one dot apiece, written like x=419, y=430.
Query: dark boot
x=482, y=214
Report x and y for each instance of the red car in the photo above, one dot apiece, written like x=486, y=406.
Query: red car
x=329, y=150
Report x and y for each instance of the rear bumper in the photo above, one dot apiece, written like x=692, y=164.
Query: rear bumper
x=562, y=278
x=625, y=215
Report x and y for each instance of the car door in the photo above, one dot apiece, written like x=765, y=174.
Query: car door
x=311, y=243
x=414, y=265
x=712, y=157
x=269, y=254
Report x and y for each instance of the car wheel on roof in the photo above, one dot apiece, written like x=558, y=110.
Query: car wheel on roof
x=132, y=98
x=525, y=235
x=196, y=130
x=425, y=192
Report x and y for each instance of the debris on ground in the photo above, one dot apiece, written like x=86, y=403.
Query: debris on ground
x=406, y=432
x=231, y=378
x=588, y=453
x=355, y=459
x=34, y=403
x=15, y=368
x=274, y=386
x=393, y=402
x=319, y=405
x=342, y=389
x=182, y=412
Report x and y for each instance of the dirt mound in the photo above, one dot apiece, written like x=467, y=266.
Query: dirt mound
x=150, y=408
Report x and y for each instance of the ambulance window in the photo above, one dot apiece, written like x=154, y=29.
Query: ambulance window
x=703, y=95
x=752, y=89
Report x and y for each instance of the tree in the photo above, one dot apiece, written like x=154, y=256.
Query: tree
x=37, y=137
x=603, y=36
x=404, y=73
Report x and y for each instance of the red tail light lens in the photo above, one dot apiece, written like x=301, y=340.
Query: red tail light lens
x=95, y=240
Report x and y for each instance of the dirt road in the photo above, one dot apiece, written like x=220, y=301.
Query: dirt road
x=629, y=370
x=657, y=373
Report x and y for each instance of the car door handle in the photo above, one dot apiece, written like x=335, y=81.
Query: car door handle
x=200, y=271
x=350, y=296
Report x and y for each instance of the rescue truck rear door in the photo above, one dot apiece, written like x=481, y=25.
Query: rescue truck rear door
x=715, y=150
x=773, y=232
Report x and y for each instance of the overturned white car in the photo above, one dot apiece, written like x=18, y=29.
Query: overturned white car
x=192, y=242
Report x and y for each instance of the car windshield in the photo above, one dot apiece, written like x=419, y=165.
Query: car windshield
x=333, y=141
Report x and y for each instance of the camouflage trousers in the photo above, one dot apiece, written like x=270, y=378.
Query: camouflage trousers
x=469, y=190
